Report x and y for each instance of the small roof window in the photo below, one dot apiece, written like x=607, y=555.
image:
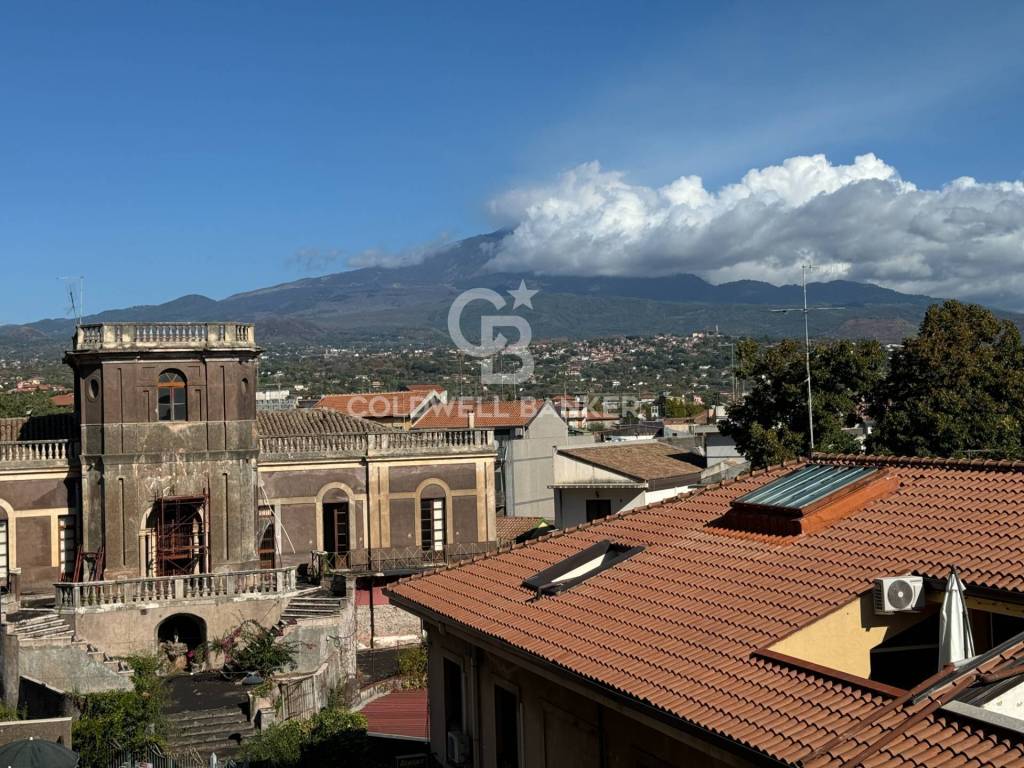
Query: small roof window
x=579, y=567
x=806, y=486
x=807, y=499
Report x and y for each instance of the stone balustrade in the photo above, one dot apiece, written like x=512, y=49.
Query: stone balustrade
x=38, y=451
x=397, y=558
x=116, y=336
x=166, y=590
x=362, y=444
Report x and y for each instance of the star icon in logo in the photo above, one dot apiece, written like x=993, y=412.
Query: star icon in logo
x=523, y=296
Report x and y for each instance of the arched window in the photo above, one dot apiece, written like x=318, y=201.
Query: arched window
x=172, y=397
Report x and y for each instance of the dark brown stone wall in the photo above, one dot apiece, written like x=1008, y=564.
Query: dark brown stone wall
x=130, y=458
x=459, y=477
x=34, y=549
x=299, y=521
x=305, y=483
x=404, y=518
x=464, y=519
x=39, y=494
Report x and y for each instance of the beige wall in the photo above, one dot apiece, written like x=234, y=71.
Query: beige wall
x=843, y=639
x=124, y=631
x=562, y=725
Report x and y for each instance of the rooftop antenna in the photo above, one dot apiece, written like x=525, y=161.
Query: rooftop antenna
x=804, y=269
x=77, y=308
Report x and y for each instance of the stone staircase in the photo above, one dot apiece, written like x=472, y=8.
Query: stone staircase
x=219, y=731
x=313, y=603
x=46, y=625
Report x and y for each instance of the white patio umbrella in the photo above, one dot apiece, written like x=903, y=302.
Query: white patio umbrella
x=955, y=641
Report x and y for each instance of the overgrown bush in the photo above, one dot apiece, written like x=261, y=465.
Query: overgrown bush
x=412, y=667
x=9, y=713
x=133, y=719
x=253, y=647
x=335, y=737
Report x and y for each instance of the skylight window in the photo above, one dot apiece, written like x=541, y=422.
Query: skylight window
x=579, y=567
x=807, y=499
x=806, y=486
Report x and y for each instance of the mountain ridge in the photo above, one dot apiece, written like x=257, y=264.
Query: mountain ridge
x=413, y=299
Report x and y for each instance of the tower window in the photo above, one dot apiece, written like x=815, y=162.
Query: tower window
x=172, y=397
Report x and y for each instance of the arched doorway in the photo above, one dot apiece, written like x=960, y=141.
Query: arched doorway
x=184, y=628
x=176, y=537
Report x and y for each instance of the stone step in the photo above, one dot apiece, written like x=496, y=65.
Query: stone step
x=30, y=625
x=198, y=715
x=55, y=632
x=302, y=610
x=213, y=732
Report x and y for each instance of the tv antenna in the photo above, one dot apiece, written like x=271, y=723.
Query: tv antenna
x=806, y=310
x=77, y=309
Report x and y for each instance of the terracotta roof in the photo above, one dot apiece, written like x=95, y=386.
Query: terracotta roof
x=377, y=404
x=54, y=426
x=424, y=388
x=64, y=400
x=676, y=627
x=509, y=527
x=642, y=459
x=399, y=713
x=598, y=416
x=487, y=414
x=306, y=421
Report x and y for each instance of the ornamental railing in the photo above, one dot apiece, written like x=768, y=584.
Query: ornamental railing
x=396, y=558
x=86, y=595
x=380, y=443
x=23, y=451
x=155, y=335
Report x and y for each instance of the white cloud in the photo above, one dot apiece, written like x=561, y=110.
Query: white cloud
x=965, y=239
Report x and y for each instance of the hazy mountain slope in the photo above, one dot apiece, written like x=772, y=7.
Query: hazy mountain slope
x=413, y=301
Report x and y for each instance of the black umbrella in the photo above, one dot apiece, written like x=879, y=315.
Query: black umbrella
x=36, y=753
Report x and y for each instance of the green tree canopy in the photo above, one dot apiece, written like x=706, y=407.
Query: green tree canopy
x=955, y=388
x=770, y=424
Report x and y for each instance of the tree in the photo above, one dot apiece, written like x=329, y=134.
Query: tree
x=681, y=408
x=955, y=389
x=770, y=424
x=27, y=403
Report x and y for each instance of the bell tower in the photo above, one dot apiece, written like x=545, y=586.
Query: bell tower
x=168, y=446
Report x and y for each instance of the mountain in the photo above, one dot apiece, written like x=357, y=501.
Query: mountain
x=412, y=302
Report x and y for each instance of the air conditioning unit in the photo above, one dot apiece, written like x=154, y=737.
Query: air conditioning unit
x=458, y=747
x=895, y=594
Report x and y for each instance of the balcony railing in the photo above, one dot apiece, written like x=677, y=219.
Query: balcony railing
x=25, y=451
x=270, y=582
x=396, y=558
x=380, y=443
x=170, y=335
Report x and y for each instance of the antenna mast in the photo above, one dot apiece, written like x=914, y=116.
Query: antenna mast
x=806, y=310
x=77, y=309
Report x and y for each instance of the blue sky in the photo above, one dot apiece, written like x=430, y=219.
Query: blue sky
x=164, y=149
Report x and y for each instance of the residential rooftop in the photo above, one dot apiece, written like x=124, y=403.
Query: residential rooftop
x=641, y=459
x=492, y=414
x=685, y=628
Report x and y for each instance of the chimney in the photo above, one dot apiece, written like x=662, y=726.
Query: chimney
x=472, y=420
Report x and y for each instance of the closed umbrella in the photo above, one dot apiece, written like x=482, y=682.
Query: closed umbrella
x=955, y=641
x=36, y=753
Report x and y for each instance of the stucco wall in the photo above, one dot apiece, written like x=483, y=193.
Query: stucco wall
x=843, y=639
x=121, y=631
x=56, y=729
